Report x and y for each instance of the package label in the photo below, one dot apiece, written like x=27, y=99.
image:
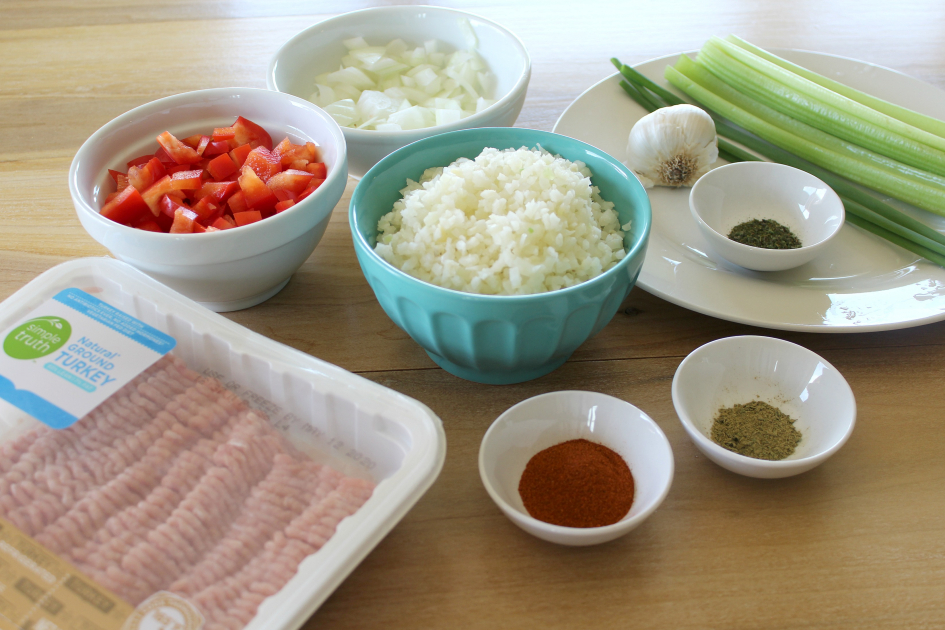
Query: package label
x=70, y=354
x=40, y=591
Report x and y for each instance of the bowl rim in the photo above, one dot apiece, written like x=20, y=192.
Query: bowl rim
x=705, y=442
x=577, y=533
x=361, y=243
x=761, y=251
x=176, y=100
x=521, y=82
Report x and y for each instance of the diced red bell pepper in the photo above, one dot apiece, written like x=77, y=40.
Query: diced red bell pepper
x=222, y=166
x=127, y=207
x=254, y=189
x=237, y=203
x=143, y=176
x=152, y=195
x=149, y=225
x=177, y=168
x=268, y=207
x=187, y=180
x=179, y=152
x=122, y=182
x=239, y=154
x=189, y=185
x=183, y=221
x=138, y=161
x=291, y=153
x=162, y=155
x=203, y=144
x=223, y=134
x=218, y=192
x=248, y=131
x=263, y=162
x=164, y=221
x=206, y=211
x=216, y=148
x=283, y=147
x=308, y=191
x=245, y=218
x=318, y=169
x=284, y=205
x=169, y=205
x=224, y=223
x=291, y=180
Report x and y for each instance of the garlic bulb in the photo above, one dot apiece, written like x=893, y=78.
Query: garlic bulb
x=673, y=146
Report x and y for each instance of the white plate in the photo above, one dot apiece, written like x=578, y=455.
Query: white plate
x=860, y=283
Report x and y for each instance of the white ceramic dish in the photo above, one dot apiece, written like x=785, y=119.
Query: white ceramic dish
x=549, y=419
x=363, y=429
x=860, y=283
x=230, y=269
x=319, y=49
x=735, y=193
x=737, y=370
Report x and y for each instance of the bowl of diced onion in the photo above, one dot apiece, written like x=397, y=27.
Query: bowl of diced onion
x=394, y=75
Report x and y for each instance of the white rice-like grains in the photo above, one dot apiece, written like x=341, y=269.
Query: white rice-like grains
x=510, y=222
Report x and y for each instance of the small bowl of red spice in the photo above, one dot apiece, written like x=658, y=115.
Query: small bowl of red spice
x=576, y=468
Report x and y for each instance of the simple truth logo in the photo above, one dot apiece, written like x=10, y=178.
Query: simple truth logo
x=37, y=338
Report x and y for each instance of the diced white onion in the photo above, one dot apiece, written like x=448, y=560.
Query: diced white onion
x=399, y=86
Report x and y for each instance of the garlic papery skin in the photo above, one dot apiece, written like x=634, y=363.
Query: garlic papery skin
x=673, y=146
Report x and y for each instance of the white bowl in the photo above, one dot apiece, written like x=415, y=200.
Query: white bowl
x=230, y=269
x=735, y=193
x=737, y=370
x=319, y=49
x=549, y=419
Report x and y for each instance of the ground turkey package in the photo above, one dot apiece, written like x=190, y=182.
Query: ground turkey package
x=175, y=496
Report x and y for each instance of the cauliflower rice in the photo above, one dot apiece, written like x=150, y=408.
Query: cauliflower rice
x=510, y=222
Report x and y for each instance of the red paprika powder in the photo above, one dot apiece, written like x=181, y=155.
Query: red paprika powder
x=577, y=484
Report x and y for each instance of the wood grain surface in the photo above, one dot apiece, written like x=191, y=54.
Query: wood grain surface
x=856, y=543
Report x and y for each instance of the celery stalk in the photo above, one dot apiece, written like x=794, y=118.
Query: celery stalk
x=863, y=209
x=815, y=112
x=926, y=123
x=736, y=95
x=842, y=103
x=919, y=194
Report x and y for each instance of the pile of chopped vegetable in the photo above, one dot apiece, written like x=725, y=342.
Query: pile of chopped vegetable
x=228, y=179
x=396, y=87
x=854, y=142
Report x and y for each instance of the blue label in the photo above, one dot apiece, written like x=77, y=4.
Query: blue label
x=36, y=406
x=108, y=315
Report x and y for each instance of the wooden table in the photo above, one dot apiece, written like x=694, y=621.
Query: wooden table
x=857, y=543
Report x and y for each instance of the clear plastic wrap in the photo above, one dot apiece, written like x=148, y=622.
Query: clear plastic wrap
x=233, y=481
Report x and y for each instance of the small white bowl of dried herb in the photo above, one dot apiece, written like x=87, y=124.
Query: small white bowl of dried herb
x=763, y=407
x=766, y=216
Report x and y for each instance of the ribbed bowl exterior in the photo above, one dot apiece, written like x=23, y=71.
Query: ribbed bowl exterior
x=486, y=338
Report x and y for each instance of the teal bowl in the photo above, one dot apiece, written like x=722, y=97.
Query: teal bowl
x=497, y=339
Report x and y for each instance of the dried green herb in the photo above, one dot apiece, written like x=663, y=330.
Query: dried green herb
x=764, y=233
x=756, y=429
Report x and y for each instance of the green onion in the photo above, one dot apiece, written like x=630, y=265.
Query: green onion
x=898, y=240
